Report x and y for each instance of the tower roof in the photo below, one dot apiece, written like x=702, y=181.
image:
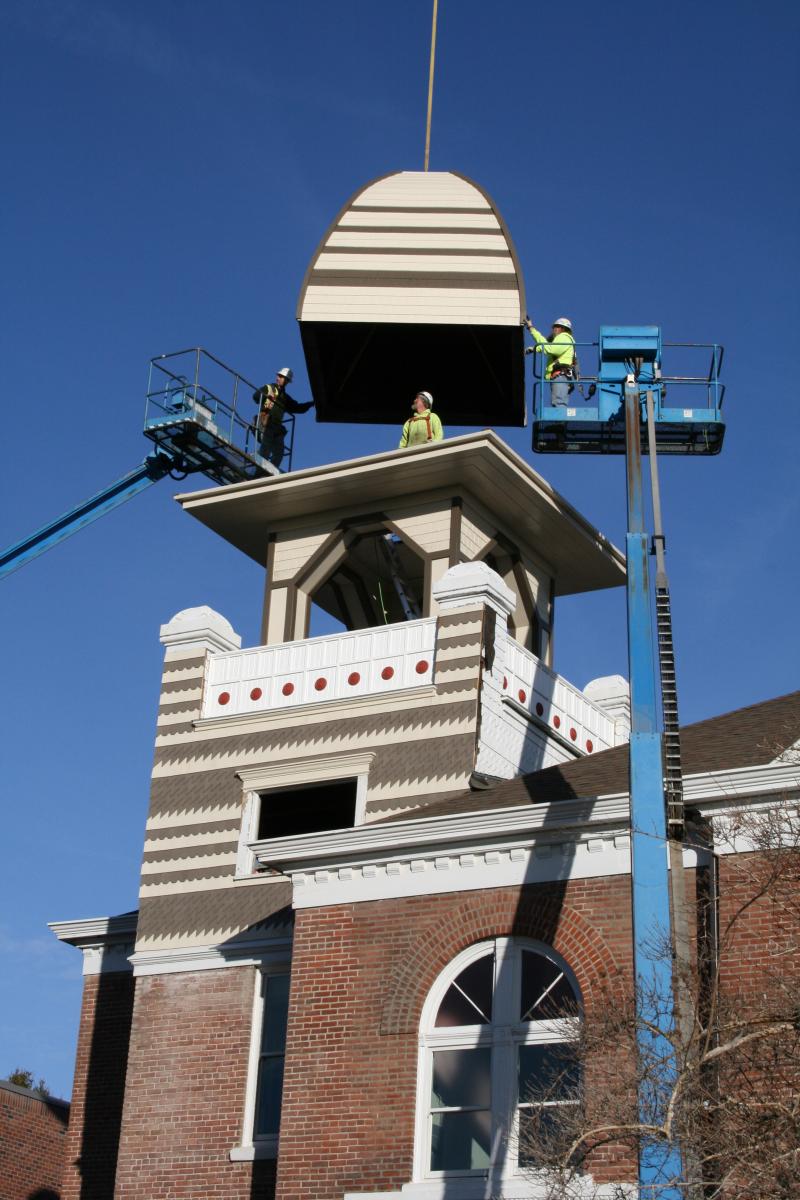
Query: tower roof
x=415, y=285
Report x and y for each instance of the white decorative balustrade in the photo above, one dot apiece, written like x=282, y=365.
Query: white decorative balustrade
x=557, y=704
x=336, y=667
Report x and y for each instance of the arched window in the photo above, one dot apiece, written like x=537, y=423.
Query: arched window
x=488, y=1035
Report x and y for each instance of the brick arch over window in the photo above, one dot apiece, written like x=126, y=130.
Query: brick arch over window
x=498, y=914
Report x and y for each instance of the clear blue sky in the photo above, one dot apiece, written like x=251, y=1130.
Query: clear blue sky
x=168, y=172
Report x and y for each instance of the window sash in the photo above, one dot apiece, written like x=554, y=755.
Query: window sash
x=504, y=1037
x=266, y=1143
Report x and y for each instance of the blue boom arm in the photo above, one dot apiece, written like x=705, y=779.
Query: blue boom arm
x=154, y=467
x=195, y=431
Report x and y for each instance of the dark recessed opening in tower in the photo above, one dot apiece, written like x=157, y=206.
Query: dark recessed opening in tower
x=380, y=582
x=308, y=809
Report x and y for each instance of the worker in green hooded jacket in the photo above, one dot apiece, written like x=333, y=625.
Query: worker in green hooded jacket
x=423, y=425
x=560, y=351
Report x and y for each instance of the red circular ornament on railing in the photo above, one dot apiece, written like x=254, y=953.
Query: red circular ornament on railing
x=287, y=689
x=256, y=694
x=421, y=666
x=223, y=697
x=573, y=733
x=387, y=672
x=589, y=745
x=353, y=678
x=539, y=708
x=557, y=721
x=320, y=684
x=523, y=696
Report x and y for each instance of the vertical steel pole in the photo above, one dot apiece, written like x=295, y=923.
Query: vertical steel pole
x=430, y=87
x=659, y=1162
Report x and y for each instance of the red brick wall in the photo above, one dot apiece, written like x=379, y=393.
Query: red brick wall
x=32, y=1139
x=360, y=975
x=184, y=1102
x=99, y=1086
x=758, y=918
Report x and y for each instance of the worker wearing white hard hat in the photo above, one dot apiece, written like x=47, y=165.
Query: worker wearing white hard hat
x=561, y=361
x=273, y=403
x=423, y=425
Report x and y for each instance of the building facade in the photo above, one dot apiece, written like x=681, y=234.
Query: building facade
x=372, y=855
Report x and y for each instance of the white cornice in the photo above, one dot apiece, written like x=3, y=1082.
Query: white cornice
x=106, y=942
x=265, y=952
x=496, y=848
x=462, y=852
x=306, y=770
x=96, y=931
x=457, y=831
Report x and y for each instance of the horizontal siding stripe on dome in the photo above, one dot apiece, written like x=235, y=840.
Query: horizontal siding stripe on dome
x=406, y=297
x=407, y=284
x=416, y=239
x=456, y=266
x=432, y=209
x=409, y=191
x=436, y=313
x=405, y=253
x=362, y=218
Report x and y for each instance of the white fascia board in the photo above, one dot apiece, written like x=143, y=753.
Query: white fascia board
x=96, y=931
x=458, y=832
x=764, y=779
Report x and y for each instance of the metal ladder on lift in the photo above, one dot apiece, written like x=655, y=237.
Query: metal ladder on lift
x=673, y=778
x=673, y=775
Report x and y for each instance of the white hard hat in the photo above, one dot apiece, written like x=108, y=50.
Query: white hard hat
x=564, y=322
x=287, y=374
x=427, y=397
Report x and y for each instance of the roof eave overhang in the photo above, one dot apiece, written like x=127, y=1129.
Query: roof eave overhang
x=480, y=464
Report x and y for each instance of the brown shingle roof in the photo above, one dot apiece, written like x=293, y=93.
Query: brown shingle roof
x=743, y=738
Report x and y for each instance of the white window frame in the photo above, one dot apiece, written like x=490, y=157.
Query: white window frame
x=505, y=1035
x=282, y=776
x=252, y=1147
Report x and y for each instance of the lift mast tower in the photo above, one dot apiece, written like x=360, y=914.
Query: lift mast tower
x=418, y=271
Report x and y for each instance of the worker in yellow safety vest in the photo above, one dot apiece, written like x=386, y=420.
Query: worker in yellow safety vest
x=561, y=361
x=423, y=425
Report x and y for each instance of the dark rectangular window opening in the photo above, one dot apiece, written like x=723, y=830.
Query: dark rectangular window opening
x=308, y=809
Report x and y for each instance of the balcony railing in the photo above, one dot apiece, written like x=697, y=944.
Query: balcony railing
x=556, y=703
x=389, y=659
x=336, y=667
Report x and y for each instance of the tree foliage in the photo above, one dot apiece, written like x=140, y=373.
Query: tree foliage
x=23, y=1078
